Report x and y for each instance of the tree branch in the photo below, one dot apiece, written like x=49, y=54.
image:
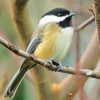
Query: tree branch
x=64, y=69
x=85, y=23
x=97, y=16
x=21, y=19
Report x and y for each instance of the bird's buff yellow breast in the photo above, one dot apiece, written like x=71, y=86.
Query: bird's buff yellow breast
x=47, y=47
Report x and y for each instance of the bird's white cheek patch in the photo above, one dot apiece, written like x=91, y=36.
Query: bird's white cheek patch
x=50, y=18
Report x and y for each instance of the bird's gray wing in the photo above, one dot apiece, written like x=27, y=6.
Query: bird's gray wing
x=35, y=41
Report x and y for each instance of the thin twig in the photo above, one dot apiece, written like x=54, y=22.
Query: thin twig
x=85, y=23
x=64, y=69
x=92, y=12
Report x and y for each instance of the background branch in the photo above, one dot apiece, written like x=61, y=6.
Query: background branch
x=85, y=23
x=21, y=20
x=97, y=16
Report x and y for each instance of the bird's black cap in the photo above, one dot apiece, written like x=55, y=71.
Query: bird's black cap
x=57, y=12
x=61, y=12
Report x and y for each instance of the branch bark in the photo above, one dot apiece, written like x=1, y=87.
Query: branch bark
x=85, y=23
x=64, y=69
x=21, y=20
x=97, y=16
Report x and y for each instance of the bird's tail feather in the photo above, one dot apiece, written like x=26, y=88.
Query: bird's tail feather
x=15, y=82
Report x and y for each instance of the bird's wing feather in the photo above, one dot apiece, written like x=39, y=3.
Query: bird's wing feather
x=35, y=41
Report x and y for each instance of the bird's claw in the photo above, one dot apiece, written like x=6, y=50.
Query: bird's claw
x=53, y=62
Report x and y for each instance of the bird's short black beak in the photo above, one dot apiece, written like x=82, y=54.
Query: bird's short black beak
x=72, y=14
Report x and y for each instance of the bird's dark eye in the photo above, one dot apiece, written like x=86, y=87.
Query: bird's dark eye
x=59, y=14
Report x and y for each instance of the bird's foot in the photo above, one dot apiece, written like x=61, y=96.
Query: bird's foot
x=55, y=63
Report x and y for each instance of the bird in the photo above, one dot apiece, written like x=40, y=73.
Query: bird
x=51, y=42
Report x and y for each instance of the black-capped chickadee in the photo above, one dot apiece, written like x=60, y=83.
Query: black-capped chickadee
x=52, y=41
